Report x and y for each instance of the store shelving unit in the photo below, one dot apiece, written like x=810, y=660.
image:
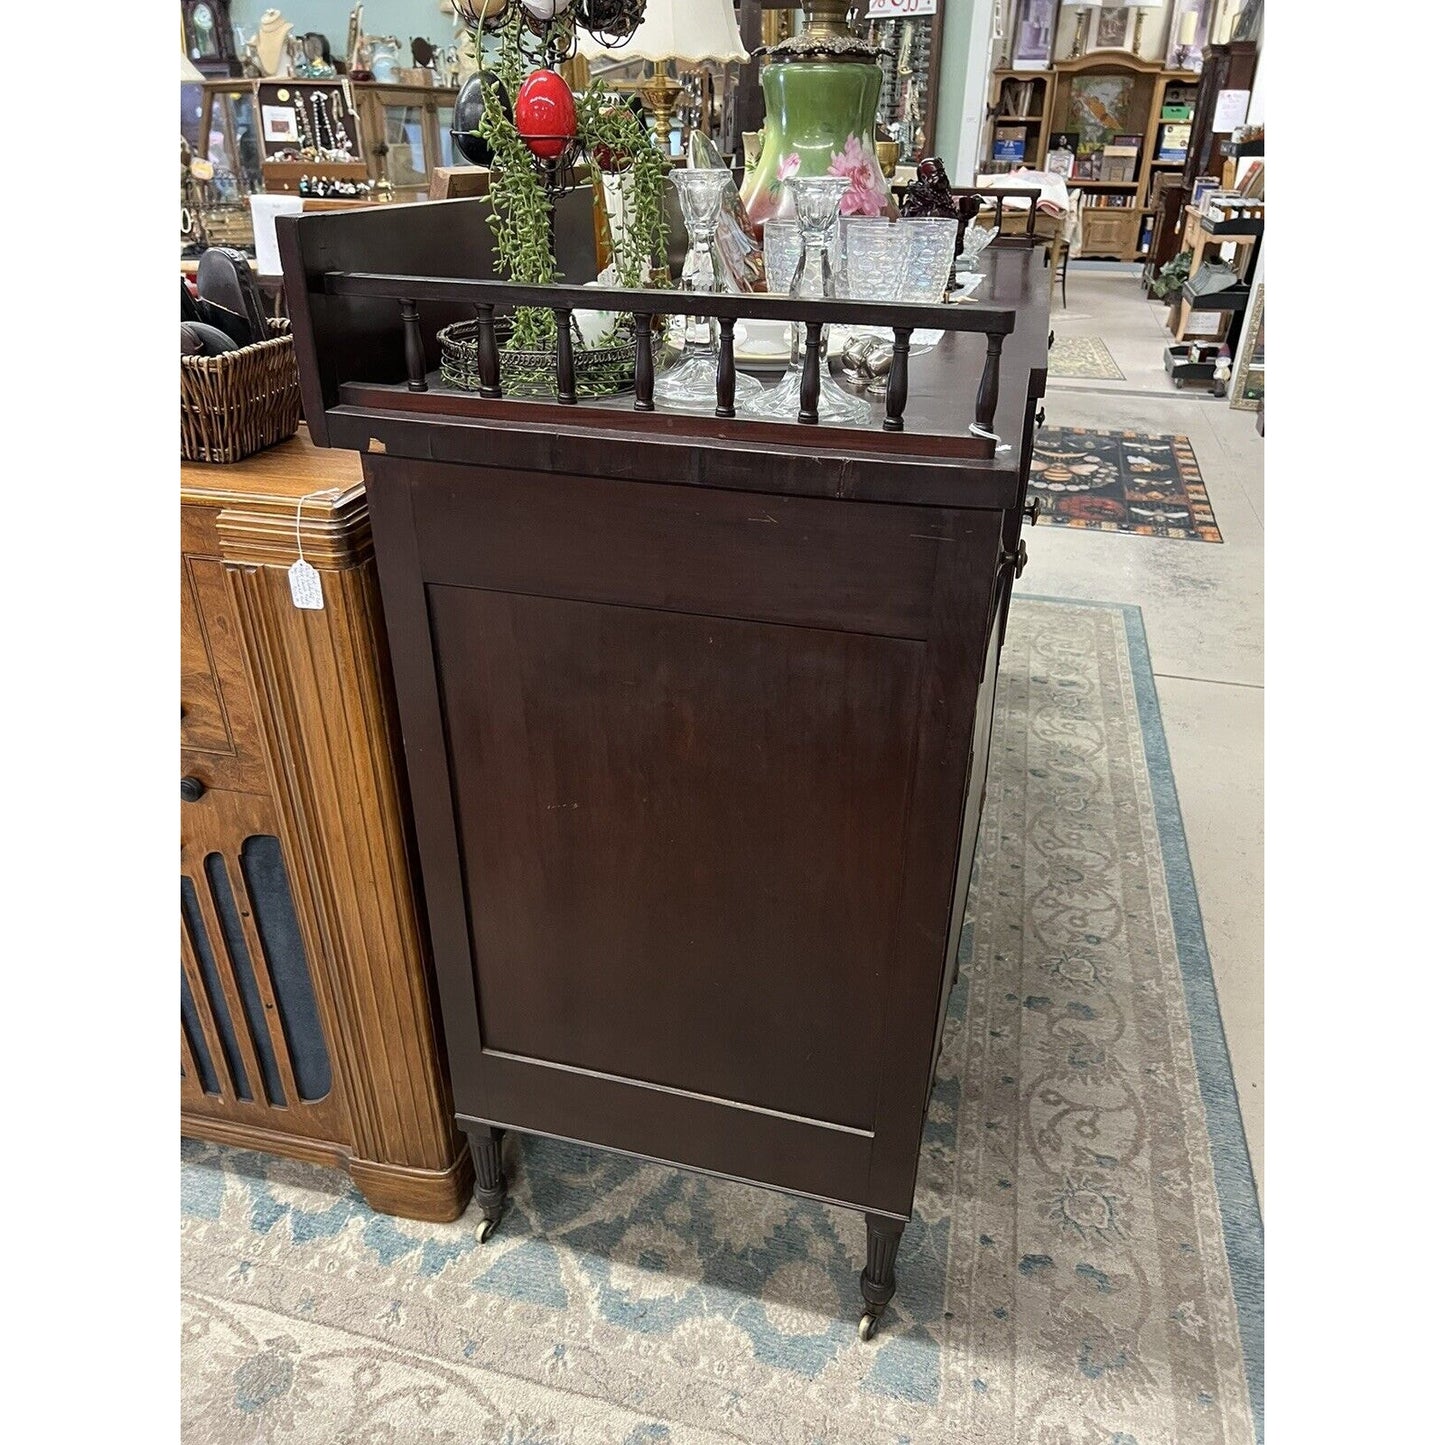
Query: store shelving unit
x=1206, y=236
x=1035, y=123
x=1117, y=218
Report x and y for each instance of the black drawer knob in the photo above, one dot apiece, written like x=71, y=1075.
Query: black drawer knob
x=1039, y=416
x=1032, y=511
x=1017, y=560
x=192, y=790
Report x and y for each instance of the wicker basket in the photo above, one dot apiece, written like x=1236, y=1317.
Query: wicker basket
x=241, y=401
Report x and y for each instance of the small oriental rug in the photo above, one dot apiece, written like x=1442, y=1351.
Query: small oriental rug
x=1085, y=356
x=1121, y=481
x=1083, y=1267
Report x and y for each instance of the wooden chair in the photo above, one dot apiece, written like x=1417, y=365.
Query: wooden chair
x=1056, y=254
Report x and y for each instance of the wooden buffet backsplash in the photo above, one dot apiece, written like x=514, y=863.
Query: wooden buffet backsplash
x=307, y=1023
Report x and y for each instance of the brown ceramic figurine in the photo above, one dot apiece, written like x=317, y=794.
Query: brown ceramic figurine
x=931, y=195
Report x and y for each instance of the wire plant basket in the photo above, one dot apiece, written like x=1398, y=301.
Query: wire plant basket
x=598, y=370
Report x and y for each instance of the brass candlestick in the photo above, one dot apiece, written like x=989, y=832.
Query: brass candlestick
x=1138, y=30
x=1078, y=49
x=660, y=93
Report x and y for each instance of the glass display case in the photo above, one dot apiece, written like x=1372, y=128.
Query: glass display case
x=229, y=137
x=405, y=133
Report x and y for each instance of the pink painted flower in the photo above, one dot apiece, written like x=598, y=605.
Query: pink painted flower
x=866, y=194
x=789, y=166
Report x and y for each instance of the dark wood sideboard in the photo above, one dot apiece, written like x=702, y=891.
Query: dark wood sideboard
x=696, y=709
x=307, y=1018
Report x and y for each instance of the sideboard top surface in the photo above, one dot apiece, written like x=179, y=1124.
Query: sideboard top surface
x=284, y=474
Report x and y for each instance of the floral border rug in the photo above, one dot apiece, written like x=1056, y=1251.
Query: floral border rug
x=1083, y=356
x=1121, y=481
x=1085, y=1262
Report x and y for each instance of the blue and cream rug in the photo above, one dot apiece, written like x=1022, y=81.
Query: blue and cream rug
x=1084, y=1266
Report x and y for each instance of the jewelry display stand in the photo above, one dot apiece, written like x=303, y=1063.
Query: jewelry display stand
x=309, y=131
x=269, y=49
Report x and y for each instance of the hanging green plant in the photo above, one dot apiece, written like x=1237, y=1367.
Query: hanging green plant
x=617, y=143
x=610, y=140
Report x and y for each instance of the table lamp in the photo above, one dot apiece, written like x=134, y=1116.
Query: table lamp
x=1139, y=7
x=1083, y=7
x=688, y=31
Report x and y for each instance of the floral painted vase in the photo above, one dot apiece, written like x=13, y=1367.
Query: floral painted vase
x=820, y=116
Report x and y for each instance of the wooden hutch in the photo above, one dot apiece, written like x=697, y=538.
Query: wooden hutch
x=1097, y=97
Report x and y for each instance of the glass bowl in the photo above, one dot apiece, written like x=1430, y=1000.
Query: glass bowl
x=976, y=240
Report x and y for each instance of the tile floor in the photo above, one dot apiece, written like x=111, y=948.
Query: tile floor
x=1203, y=610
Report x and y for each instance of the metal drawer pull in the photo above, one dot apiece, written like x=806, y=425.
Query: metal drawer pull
x=192, y=790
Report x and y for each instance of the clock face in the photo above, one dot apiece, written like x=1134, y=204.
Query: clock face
x=203, y=31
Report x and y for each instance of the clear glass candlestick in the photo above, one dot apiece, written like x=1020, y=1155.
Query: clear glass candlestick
x=817, y=200
x=692, y=382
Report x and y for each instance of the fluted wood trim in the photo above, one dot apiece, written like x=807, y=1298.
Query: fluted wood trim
x=332, y=751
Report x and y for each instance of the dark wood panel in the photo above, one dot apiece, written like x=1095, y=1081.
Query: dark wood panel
x=704, y=813
x=653, y=1123
x=782, y=559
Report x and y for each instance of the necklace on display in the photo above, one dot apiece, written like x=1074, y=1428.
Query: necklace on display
x=343, y=140
x=325, y=136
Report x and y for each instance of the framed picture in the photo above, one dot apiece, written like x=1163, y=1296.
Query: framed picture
x=1034, y=24
x=1246, y=390
x=1188, y=34
x=1111, y=28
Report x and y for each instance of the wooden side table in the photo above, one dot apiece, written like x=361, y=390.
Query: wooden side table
x=306, y=1020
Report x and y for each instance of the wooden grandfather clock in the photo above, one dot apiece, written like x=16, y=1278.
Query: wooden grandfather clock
x=208, y=37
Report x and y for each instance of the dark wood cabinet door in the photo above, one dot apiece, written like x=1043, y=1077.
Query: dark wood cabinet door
x=688, y=769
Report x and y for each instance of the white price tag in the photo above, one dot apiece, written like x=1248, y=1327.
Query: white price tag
x=305, y=585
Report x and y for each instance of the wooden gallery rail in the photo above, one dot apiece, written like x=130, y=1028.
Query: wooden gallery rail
x=696, y=708
x=488, y=298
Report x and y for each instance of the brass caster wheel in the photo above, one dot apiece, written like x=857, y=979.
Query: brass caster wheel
x=867, y=1328
x=486, y=1229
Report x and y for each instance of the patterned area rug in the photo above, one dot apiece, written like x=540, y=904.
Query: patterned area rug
x=1121, y=481
x=1084, y=1266
x=1083, y=356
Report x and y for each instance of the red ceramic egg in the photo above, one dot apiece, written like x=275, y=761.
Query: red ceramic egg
x=546, y=116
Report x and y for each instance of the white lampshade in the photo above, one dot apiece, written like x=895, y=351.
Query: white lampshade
x=189, y=74
x=675, y=30
x=1142, y=4
x=1083, y=4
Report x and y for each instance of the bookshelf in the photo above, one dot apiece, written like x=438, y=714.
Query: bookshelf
x=1020, y=104
x=1133, y=120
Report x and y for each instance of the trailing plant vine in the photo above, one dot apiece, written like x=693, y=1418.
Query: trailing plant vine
x=617, y=142
x=612, y=140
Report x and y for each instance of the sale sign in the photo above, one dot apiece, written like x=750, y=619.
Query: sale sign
x=900, y=9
